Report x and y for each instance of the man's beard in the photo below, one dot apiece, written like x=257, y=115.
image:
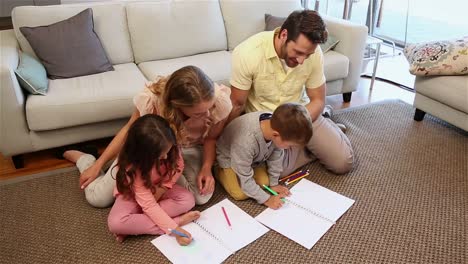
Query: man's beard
x=289, y=61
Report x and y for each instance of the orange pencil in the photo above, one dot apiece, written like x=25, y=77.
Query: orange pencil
x=292, y=175
x=296, y=179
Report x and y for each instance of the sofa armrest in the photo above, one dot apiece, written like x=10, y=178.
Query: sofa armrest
x=352, y=44
x=14, y=131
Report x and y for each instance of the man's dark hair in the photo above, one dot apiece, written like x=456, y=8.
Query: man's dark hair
x=306, y=22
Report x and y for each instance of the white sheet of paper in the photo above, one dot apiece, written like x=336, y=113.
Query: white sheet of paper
x=299, y=225
x=320, y=199
x=204, y=248
x=244, y=228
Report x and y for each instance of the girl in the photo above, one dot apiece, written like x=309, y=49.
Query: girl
x=197, y=110
x=147, y=199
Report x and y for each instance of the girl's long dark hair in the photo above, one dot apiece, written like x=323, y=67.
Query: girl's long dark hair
x=146, y=139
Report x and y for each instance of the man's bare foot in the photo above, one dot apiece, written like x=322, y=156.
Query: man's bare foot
x=120, y=238
x=189, y=217
x=73, y=155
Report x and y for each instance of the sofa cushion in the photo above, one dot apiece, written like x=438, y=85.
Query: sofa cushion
x=335, y=66
x=32, y=75
x=173, y=29
x=217, y=65
x=69, y=48
x=246, y=18
x=449, y=90
x=448, y=57
x=110, y=24
x=87, y=99
x=273, y=22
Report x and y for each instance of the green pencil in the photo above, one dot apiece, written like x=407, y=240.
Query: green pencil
x=272, y=192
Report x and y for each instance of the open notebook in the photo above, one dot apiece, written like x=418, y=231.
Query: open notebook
x=307, y=214
x=213, y=239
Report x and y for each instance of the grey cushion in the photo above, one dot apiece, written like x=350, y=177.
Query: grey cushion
x=330, y=44
x=69, y=48
x=272, y=22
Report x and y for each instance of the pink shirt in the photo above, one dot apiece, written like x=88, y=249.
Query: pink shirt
x=145, y=198
x=197, y=128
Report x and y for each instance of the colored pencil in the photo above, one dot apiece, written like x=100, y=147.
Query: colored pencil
x=296, y=179
x=298, y=176
x=177, y=233
x=272, y=192
x=291, y=175
x=226, y=216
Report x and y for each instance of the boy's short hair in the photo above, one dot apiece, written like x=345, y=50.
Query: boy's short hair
x=292, y=121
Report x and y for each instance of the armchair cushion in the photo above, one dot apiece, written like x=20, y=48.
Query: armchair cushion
x=448, y=57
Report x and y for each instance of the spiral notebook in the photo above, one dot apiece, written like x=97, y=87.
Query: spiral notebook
x=307, y=214
x=213, y=239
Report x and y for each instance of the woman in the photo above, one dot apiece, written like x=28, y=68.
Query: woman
x=195, y=107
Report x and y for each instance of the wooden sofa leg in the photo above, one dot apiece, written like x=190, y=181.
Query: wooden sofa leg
x=419, y=115
x=18, y=161
x=347, y=97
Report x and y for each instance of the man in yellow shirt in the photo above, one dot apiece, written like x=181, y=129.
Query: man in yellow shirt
x=272, y=68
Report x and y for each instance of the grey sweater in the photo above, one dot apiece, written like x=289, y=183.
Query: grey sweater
x=242, y=147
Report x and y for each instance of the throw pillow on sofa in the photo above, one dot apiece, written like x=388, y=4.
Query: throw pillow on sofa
x=272, y=22
x=69, y=48
x=447, y=57
x=32, y=75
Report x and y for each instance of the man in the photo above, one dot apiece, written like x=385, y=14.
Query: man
x=271, y=68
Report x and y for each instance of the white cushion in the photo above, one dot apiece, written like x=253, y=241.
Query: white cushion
x=172, y=29
x=110, y=25
x=245, y=18
x=335, y=66
x=448, y=90
x=84, y=100
x=217, y=65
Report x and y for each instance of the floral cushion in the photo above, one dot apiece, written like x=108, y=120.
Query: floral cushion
x=448, y=57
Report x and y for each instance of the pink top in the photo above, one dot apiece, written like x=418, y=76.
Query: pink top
x=197, y=128
x=145, y=198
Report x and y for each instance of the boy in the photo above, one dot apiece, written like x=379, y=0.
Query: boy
x=256, y=138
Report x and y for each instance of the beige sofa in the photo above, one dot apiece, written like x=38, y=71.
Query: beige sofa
x=142, y=40
x=445, y=97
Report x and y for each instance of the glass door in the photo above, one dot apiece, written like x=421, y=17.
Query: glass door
x=430, y=20
x=402, y=21
x=413, y=21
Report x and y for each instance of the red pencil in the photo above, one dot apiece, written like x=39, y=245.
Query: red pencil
x=291, y=175
x=289, y=181
x=226, y=216
x=298, y=176
x=294, y=175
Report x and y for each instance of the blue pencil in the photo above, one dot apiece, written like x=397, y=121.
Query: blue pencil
x=173, y=231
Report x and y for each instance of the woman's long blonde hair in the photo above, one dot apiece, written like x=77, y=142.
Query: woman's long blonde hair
x=186, y=87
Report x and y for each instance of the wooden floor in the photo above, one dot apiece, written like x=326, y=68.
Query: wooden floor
x=45, y=160
x=5, y=23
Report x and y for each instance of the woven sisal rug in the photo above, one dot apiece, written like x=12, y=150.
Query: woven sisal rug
x=410, y=184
